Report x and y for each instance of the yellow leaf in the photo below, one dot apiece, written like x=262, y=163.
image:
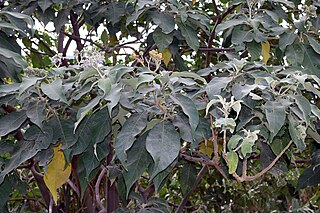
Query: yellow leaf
x=57, y=173
x=265, y=51
x=166, y=55
x=206, y=148
x=194, y=1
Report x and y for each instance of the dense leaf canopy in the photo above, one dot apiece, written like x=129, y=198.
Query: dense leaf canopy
x=159, y=106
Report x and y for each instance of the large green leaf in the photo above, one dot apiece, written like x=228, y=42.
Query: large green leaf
x=287, y=39
x=230, y=23
x=276, y=116
x=44, y=4
x=35, y=113
x=11, y=122
x=114, y=12
x=310, y=62
x=295, y=134
x=240, y=36
x=138, y=162
x=190, y=35
x=160, y=179
x=187, y=177
x=92, y=130
x=11, y=64
x=310, y=177
x=215, y=86
x=26, y=83
x=295, y=54
x=61, y=19
x=182, y=123
x=54, y=90
x=305, y=107
x=164, y=21
x=314, y=44
x=163, y=143
x=42, y=137
x=131, y=128
x=161, y=39
x=90, y=160
x=189, y=108
x=24, y=151
x=82, y=112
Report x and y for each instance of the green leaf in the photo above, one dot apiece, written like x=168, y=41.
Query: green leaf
x=43, y=138
x=246, y=146
x=240, y=36
x=82, y=112
x=226, y=123
x=230, y=23
x=310, y=177
x=188, y=176
x=314, y=44
x=116, y=72
x=232, y=159
x=26, y=83
x=114, y=12
x=61, y=19
x=254, y=49
x=11, y=122
x=267, y=156
x=182, y=123
x=276, y=116
x=295, y=134
x=105, y=85
x=310, y=62
x=305, y=107
x=113, y=97
x=35, y=113
x=287, y=39
x=11, y=64
x=24, y=150
x=54, y=90
x=161, y=39
x=164, y=20
x=137, y=163
x=159, y=179
x=295, y=54
x=44, y=4
x=90, y=160
x=192, y=75
x=189, y=108
x=190, y=35
x=215, y=86
x=125, y=138
x=233, y=142
x=92, y=130
x=163, y=143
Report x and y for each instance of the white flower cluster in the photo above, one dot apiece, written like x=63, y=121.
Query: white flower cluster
x=57, y=59
x=89, y=58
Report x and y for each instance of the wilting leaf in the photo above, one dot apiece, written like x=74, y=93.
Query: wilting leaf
x=265, y=51
x=58, y=172
x=166, y=54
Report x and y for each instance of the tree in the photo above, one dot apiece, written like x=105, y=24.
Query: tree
x=218, y=103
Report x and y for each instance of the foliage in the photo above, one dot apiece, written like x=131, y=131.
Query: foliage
x=218, y=103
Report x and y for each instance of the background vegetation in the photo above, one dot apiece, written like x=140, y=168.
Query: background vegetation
x=159, y=106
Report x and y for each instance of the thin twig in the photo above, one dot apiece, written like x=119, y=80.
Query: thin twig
x=207, y=162
x=73, y=187
x=200, y=175
x=265, y=170
x=97, y=188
